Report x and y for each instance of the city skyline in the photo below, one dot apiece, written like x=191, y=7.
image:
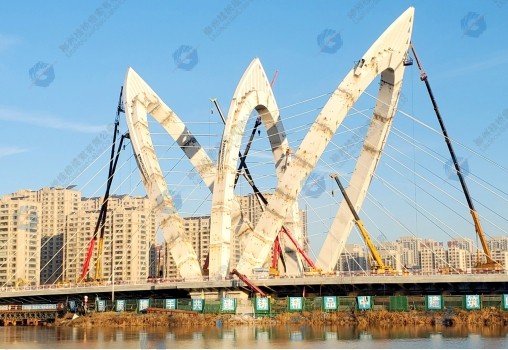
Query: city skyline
x=63, y=222
x=461, y=54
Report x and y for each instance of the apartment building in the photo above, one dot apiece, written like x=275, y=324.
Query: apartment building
x=56, y=204
x=20, y=241
x=198, y=232
x=129, y=232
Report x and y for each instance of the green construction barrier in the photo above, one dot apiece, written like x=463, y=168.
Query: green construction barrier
x=399, y=303
x=170, y=304
x=262, y=305
x=142, y=304
x=505, y=301
x=228, y=305
x=472, y=302
x=434, y=302
x=198, y=305
x=295, y=303
x=330, y=303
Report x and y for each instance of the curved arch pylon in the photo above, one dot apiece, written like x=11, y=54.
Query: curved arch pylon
x=253, y=93
x=385, y=57
x=139, y=101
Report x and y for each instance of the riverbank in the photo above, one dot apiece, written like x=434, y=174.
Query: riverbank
x=382, y=318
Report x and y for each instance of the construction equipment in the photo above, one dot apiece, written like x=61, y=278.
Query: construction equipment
x=312, y=270
x=379, y=266
x=259, y=196
x=248, y=282
x=490, y=264
x=101, y=221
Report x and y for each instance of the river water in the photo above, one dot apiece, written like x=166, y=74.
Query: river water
x=291, y=336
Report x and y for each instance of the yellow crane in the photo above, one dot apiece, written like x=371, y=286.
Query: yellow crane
x=379, y=266
x=490, y=264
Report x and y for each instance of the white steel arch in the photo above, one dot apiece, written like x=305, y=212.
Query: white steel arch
x=252, y=93
x=140, y=100
x=385, y=57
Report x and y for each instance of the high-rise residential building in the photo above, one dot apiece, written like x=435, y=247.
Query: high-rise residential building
x=459, y=259
x=466, y=244
x=353, y=258
x=56, y=204
x=129, y=233
x=198, y=232
x=498, y=248
x=432, y=256
x=390, y=254
x=410, y=251
x=20, y=241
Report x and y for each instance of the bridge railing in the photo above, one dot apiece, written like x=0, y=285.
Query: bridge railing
x=169, y=281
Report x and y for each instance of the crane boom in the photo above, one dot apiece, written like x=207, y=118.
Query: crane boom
x=249, y=283
x=101, y=221
x=366, y=237
x=259, y=195
x=491, y=263
x=299, y=248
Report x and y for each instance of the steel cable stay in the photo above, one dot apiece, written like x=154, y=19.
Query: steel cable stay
x=476, y=179
x=476, y=201
x=60, y=250
x=110, y=212
x=376, y=174
x=369, y=194
x=437, y=132
x=89, y=199
x=461, y=203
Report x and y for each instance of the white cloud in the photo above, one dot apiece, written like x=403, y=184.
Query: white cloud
x=10, y=151
x=47, y=121
x=7, y=41
x=492, y=62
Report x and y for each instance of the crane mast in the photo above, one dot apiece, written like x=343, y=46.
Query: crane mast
x=101, y=220
x=380, y=265
x=491, y=263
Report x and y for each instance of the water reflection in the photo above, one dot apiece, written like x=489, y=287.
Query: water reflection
x=255, y=337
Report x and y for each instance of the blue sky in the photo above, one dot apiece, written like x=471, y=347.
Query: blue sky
x=58, y=97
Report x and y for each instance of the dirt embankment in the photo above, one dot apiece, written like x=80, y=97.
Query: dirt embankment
x=487, y=317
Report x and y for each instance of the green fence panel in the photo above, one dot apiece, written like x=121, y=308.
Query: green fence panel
x=434, y=302
x=491, y=301
x=278, y=306
x=184, y=304
x=417, y=302
x=209, y=307
x=346, y=303
x=295, y=304
x=312, y=304
x=453, y=302
x=472, y=302
x=228, y=305
x=399, y=303
x=381, y=303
